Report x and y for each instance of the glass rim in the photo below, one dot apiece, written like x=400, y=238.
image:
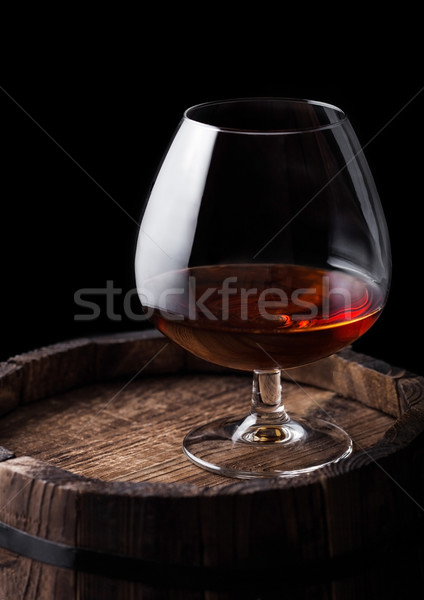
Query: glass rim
x=266, y=131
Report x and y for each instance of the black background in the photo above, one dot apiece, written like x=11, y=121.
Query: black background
x=86, y=116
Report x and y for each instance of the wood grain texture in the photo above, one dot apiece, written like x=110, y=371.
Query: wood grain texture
x=93, y=432
x=26, y=579
x=370, y=381
x=10, y=386
x=133, y=432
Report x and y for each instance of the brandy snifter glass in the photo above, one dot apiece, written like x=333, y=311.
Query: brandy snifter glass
x=263, y=246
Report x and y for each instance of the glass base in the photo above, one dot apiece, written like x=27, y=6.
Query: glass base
x=249, y=447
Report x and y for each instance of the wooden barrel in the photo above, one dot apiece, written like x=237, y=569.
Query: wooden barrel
x=97, y=500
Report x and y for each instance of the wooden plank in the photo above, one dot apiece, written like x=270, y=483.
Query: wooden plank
x=24, y=579
x=352, y=375
x=10, y=386
x=36, y=498
x=136, y=354
x=55, y=368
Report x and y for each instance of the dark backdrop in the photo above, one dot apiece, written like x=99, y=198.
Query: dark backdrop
x=84, y=126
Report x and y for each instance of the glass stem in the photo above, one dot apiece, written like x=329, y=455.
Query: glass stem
x=267, y=404
x=267, y=422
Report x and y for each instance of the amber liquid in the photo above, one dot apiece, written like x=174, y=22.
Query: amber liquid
x=264, y=316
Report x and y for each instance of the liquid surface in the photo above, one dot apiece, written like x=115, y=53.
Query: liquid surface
x=262, y=317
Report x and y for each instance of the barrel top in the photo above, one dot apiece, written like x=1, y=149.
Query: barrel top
x=108, y=414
